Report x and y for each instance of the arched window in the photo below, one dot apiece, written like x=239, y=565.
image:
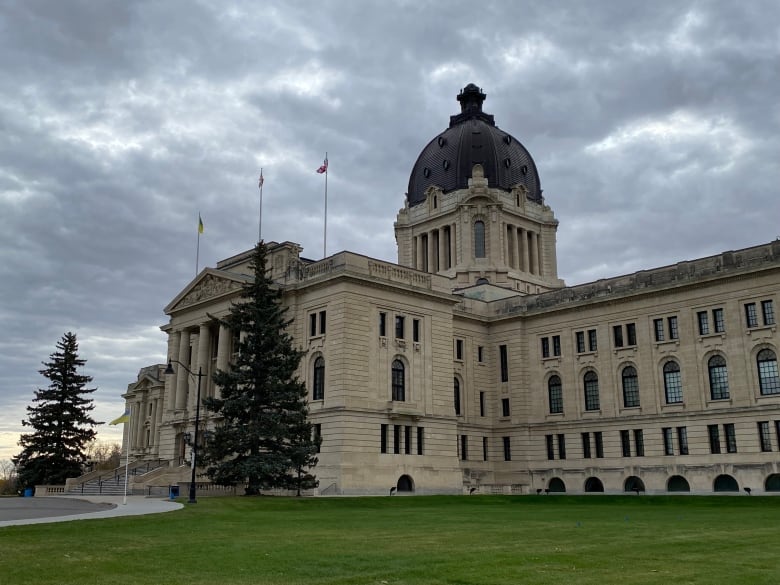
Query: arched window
x=672, y=383
x=479, y=239
x=399, y=381
x=318, y=391
x=591, y=380
x=456, y=395
x=719, y=378
x=768, y=379
x=630, y=387
x=555, y=393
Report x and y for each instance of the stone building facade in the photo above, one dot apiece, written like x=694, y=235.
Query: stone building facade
x=469, y=366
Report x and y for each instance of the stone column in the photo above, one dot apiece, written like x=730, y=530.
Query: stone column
x=431, y=253
x=182, y=379
x=153, y=423
x=415, y=252
x=442, y=249
x=523, y=250
x=223, y=354
x=174, y=340
x=453, y=246
x=204, y=360
x=511, y=246
x=535, y=252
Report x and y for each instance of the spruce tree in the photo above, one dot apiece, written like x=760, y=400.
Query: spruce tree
x=264, y=438
x=61, y=421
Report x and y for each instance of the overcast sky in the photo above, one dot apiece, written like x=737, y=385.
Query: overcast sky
x=655, y=127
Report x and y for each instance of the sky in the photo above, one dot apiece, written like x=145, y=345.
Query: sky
x=655, y=127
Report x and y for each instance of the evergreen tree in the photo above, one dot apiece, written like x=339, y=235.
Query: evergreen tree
x=60, y=419
x=264, y=438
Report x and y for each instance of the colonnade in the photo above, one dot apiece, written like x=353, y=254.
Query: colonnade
x=145, y=415
x=201, y=351
x=435, y=249
x=523, y=252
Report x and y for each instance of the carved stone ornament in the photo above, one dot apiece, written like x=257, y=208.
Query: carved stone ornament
x=209, y=287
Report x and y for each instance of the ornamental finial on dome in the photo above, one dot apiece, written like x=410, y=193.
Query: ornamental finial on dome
x=471, y=98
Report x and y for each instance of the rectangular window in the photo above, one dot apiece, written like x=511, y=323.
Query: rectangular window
x=484, y=448
x=751, y=318
x=312, y=325
x=631, y=333
x=416, y=330
x=507, y=449
x=556, y=345
x=586, y=445
x=317, y=435
x=768, y=312
x=714, y=435
x=396, y=439
x=599, y=440
x=625, y=443
x=639, y=442
x=480, y=354
x=323, y=320
x=673, y=331
x=545, y=347
x=580, y=340
x=704, y=324
x=459, y=349
x=668, y=444
x=764, y=437
x=420, y=440
x=382, y=324
x=504, y=363
x=505, y=407
x=717, y=320
x=731, y=437
x=383, y=439
x=617, y=335
x=658, y=327
x=682, y=440
x=399, y=327
x=481, y=404
x=777, y=431
x=408, y=440
x=592, y=341
x=464, y=447
x=550, y=447
x=561, y=446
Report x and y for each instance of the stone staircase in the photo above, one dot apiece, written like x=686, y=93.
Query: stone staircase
x=110, y=482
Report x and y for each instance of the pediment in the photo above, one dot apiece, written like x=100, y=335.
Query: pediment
x=209, y=285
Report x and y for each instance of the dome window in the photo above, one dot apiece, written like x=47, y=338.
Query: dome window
x=446, y=165
x=507, y=139
x=524, y=169
x=441, y=141
x=507, y=162
x=426, y=172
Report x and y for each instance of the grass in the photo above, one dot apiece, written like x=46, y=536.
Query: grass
x=411, y=540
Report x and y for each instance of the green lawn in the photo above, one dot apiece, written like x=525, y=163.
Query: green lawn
x=409, y=540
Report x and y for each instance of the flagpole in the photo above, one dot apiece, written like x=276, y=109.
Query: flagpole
x=325, y=223
x=260, y=220
x=197, y=249
x=127, y=461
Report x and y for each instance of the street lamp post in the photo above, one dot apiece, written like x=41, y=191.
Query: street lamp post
x=169, y=370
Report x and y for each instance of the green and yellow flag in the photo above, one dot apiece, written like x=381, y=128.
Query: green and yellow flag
x=200, y=224
x=122, y=419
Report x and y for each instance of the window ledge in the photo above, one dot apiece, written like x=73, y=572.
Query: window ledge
x=710, y=336
x=625, y=349
x=674, y=342
x=761, y=329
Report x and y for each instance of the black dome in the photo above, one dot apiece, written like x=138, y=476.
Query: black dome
x=473, y=138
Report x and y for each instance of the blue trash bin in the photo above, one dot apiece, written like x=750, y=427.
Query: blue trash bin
x=28, y=492
x=174, y=492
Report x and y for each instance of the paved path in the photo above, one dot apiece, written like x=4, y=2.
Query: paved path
x=39, y=510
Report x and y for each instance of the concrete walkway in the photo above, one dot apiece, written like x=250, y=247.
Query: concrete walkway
x=40, y=510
